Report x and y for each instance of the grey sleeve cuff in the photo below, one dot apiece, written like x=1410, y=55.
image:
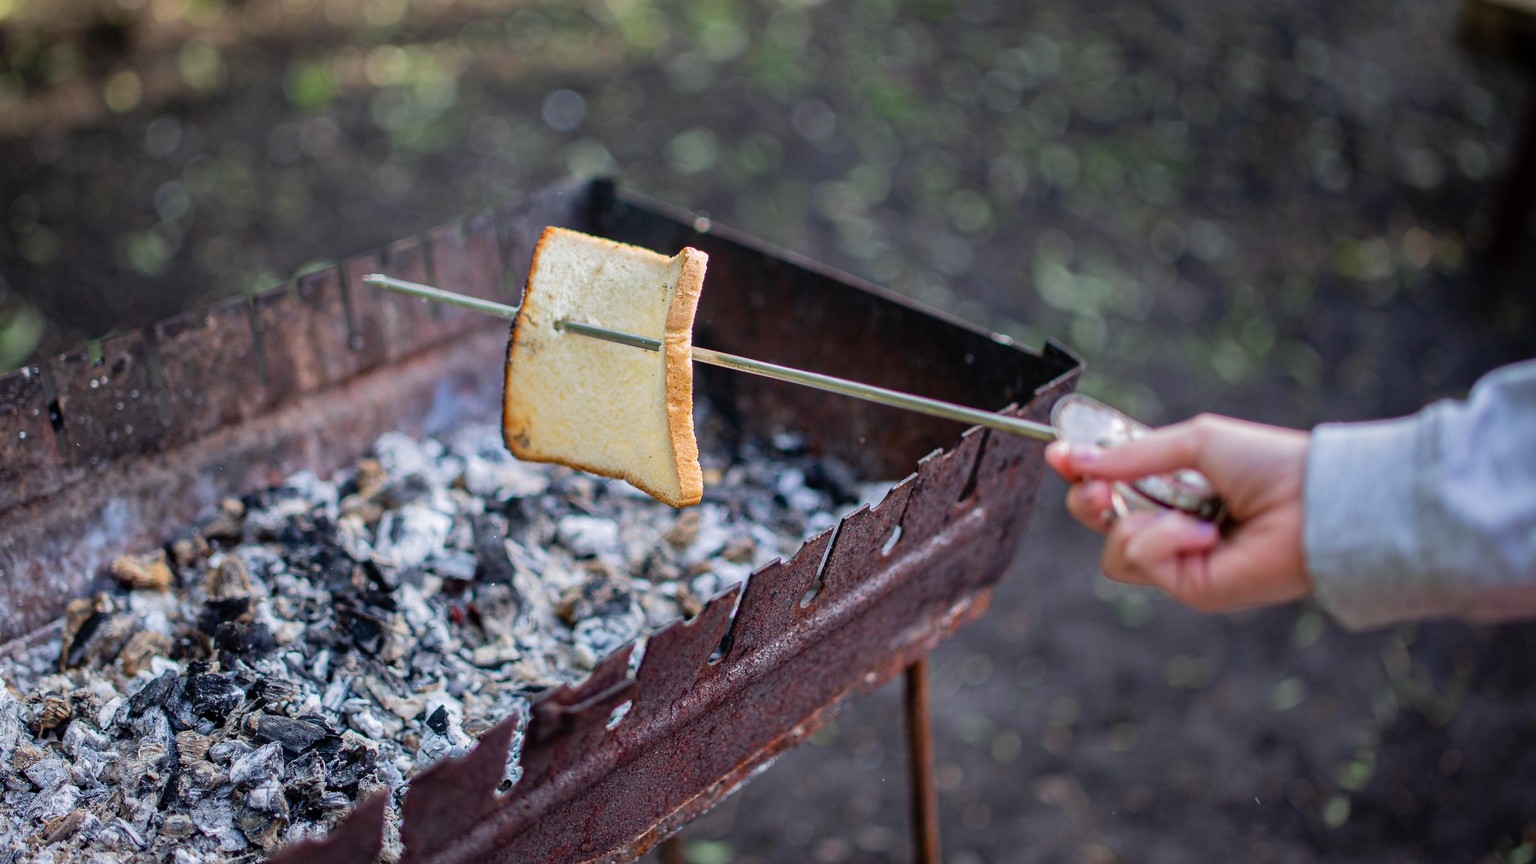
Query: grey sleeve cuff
x=1429, y=515
x=1360, y=536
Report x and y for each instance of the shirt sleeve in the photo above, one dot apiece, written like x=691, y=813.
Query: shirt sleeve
x=1431, y=515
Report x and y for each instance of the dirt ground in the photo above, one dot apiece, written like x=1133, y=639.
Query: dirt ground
x=1275, y=210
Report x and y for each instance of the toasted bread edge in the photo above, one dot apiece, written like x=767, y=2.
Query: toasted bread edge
x=678, y=345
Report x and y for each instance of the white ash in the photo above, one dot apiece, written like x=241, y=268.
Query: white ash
x=330, y=637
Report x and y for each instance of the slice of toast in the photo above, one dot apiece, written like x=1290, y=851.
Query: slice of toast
x=610, y=409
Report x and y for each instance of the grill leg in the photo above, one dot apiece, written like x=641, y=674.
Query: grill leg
x=925, y=798
x=672, y=850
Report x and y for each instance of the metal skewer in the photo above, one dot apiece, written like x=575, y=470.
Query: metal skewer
x=867, y=392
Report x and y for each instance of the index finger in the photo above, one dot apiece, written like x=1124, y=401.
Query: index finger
x=1160, y=451
x=1058, y=456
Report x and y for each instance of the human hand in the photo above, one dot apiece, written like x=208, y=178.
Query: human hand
x=1258, y=469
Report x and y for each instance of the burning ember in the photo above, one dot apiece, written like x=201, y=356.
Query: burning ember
x=313, y=642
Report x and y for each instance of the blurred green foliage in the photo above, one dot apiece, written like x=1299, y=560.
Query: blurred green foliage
x=310, y=85
x=21, y=326
x=1175, y=203
x=708, y=852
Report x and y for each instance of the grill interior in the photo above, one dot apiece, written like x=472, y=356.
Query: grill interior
x=104, y=456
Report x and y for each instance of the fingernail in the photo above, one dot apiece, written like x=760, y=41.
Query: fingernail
x=1085, y=454
x=1199, y=529
x=1195, y=529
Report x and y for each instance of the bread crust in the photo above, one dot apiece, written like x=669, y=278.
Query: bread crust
x=677, y=346
x=513, y=421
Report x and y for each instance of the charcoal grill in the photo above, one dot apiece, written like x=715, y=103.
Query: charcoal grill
x=110, y=450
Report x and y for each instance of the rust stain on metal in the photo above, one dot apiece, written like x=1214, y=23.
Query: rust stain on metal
x=111, y=405
x=305, y=338
x=925, y=797
x=370, y=312
x=29, y=458
x=416, y=325
x=466, y=257
x=209, y=358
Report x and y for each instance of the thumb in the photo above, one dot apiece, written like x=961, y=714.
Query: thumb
x=1160, y=451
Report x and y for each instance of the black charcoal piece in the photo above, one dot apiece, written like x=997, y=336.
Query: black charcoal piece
x=835, y=478
x=495, y=566
x=244, y=638
x=360, y=627
x=272, y=690
x=296, y=735
x=216, y=612
x=305, y=773
x=182, y=714
x=80, y=641
x=153, y=694
x=304, y=783
x=437, y=721
x=519, y=515
x=214, y=696
x=350, y=766
x=168, y=793
x=314, y=549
